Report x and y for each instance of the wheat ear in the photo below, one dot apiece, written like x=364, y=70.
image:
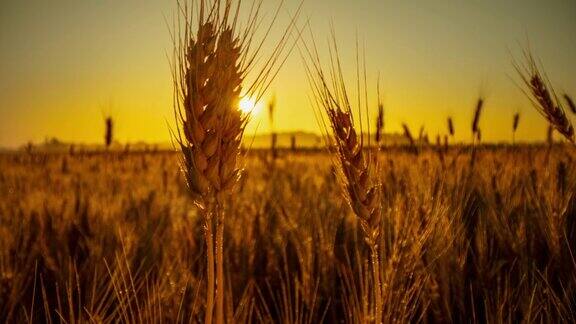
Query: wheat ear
x=450, y=126
x=212, y=127
x=476, y=118
x=210, y=65
x=359, y=187
x=544, y=98
x=515, y=123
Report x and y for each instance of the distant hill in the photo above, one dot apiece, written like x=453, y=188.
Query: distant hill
x=284, y=140
x=258, y=141
x=310, y=140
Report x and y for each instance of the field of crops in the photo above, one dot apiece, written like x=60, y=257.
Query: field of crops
x=485, y=234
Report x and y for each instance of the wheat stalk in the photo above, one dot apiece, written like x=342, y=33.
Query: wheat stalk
x=211, y=61
x=357, y=182
x=210, y=148
x=331, y=96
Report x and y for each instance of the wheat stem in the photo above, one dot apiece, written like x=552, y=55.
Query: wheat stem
x=220, y=266
x=210, y=270
x=377, y=286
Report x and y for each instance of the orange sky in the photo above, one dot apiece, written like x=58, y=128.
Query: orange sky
x=62, y=65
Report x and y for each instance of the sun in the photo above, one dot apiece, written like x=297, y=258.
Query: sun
x=248, y=105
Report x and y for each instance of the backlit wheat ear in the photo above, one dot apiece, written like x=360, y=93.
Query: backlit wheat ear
x=331, y=96
x=213, y=123
x=358, y=184
x=362, y=195
x=544, y=98
x=211, y=61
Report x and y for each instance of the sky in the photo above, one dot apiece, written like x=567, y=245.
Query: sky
x=64, y=64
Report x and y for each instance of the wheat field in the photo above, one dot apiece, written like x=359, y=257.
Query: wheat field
x=483, y=236
x=365, y=226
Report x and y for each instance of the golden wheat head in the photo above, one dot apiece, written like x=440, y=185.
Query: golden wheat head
x=330, y=95
x=211, y=62
x=544, y=98
x=362, y=195
x=212, y=123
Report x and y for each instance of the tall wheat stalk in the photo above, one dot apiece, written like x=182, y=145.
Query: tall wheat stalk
x=211, y=61
x=358, y=184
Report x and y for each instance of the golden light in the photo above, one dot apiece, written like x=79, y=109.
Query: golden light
x=248, y=105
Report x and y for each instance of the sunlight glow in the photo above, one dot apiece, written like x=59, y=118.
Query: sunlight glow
x=248, y=105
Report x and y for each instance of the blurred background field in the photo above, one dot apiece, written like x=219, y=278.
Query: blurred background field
x=484, y=234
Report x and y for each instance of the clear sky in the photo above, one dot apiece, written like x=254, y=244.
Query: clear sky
x=63, y=63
